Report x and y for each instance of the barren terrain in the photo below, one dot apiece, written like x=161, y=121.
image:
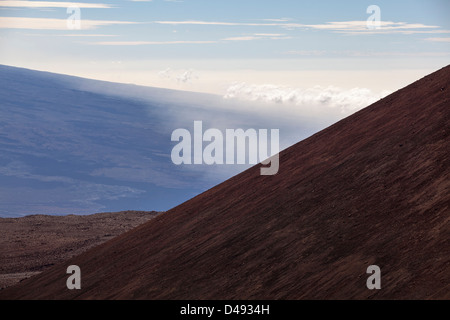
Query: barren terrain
x=31, y=244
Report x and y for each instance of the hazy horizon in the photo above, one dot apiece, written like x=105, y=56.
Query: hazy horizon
x=212, y=46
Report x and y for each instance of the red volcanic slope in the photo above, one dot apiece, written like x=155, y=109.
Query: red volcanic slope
x=371, y=189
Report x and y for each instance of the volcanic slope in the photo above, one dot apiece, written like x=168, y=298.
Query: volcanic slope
x=33, y=243
x=372, y=189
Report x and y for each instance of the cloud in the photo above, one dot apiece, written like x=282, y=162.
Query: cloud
x=52, y=4
x=167, y=73
x=277, y=20
x=258, y=36
x=78, y=35
x=85, y=35
x=346, y=101
x=186, y=76
x=362, y=26
x=348, y=27
x=141, y=43
x=213, y=23
x=270, y=34
x=438, y=39
x=52, y=24
x=353, y=53
x=243, y=38
x=391, y=31
x=307, y=52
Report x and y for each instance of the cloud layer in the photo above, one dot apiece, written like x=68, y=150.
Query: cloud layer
x=346, y=101
x=51, y=24
x=52, y=4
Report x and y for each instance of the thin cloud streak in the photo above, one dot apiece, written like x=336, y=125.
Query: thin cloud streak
x=349, y=53
x=438, y=39
x=52, y=24
x=140, y=43
x=350, y=27
x=51, y=4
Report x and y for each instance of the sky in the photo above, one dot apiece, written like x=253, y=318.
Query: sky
x=254, y=50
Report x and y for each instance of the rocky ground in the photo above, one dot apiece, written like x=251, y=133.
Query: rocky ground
x=30, y=244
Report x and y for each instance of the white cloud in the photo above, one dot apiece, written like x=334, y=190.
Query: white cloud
x=78, y=35
x=85, y=35
x=140, y=43
x=258, y=36
x=306, y=52
x=51, y=24
x=438, y=39
x=167, y=73
x=239, y=38
x=392, y=31
x=353, y=53
x=243, y=38
x=213, y=23
x=346, y=101
x=362, y=26
x=53, y=4
x=181, y=77
x=278, y=20
x=270, y=34
x=348, y=27
x=187, y=76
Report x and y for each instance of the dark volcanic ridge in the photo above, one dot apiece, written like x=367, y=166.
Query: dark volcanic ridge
x=31, y=244
x=372, y=189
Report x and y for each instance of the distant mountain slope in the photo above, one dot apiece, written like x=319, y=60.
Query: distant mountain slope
x=73, y=145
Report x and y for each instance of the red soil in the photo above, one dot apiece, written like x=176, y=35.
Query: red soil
x=32, y=244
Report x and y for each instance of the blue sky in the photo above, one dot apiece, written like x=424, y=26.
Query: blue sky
x=208, y=46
